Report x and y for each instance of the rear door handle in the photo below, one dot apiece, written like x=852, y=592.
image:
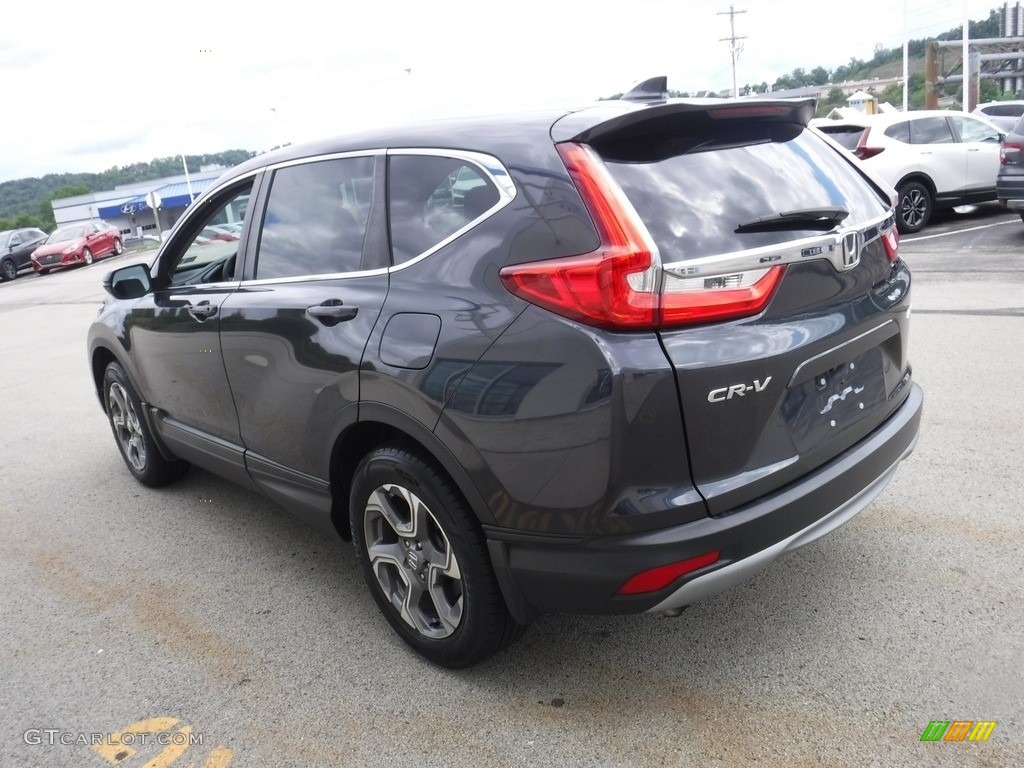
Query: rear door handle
x=202, y=311
x=332, y=312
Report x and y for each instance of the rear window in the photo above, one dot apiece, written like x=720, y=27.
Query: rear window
x=1004, y=110
x=846, y=135
x=693, y=190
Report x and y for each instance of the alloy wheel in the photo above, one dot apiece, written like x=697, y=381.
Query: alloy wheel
x=914, y=207
x=127, y=427
x=413, y=561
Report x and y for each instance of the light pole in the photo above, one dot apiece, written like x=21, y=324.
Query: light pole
x=734, y=48
x=188, y=181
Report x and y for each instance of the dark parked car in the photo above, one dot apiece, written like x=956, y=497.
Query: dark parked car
x=1010, y=181
x=609, y=360
x=16, y=246
x=77, y=244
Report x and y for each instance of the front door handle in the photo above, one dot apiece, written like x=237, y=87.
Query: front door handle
x=332, y=312
x=202, y=311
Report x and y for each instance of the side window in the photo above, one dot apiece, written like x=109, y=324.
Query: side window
x=899, y=131
x=974, y=131
x=204, y=260
x=931, y=130
x=1005, y=110
x=431, y=198
x=316, y=218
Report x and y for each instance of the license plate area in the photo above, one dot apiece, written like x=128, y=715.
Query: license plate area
x=835, y=400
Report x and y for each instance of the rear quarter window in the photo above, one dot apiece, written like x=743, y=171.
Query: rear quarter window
x=693, y=189
x=899, y=132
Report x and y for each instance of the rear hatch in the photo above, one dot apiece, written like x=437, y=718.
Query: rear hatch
x=803, y=350
x=1010, y=180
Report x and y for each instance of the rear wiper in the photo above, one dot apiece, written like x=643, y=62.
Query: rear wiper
x=822, y=219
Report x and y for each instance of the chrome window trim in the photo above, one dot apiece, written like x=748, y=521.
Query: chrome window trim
x=827, y=247
x=379, y=152
x=315, y=277
x=492, y=169
x=490, y=166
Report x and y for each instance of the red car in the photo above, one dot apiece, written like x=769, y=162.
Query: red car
x=77, y=244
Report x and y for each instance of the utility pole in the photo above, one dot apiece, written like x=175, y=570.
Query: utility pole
x=734, y=47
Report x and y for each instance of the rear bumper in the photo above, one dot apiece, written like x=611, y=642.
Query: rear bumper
x=541, y=574
x=1010, y=191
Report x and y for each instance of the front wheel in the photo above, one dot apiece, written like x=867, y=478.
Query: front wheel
x=134, y=440
x=118, y=247
x=87, y=256
x=8, y=270
x=425, y=560
x=914, y=207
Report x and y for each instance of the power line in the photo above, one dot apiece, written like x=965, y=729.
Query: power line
x=734, y=48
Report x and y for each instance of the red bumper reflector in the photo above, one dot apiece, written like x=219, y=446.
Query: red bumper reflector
x=663, y=575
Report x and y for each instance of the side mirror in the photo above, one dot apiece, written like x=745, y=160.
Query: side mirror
x=128, y=282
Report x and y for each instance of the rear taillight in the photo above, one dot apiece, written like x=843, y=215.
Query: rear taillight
x=621, y=284
x=863, y=151
x=891, y=241
x=1009, y=154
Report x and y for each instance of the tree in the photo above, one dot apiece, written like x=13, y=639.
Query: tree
x=819, y=76
x=893, y=93
x=27, y=220
x=834, y=98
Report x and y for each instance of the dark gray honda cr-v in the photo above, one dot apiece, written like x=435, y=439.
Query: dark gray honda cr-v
x=607, y=360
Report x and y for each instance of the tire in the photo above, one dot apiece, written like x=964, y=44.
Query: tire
x=913, y=207
x=87, y=256
x=132, y=435
x=118, y=247
x=42, y=272
x=8, y=270
x=425, y=560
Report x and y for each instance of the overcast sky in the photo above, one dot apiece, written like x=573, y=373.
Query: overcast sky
x=92, y=85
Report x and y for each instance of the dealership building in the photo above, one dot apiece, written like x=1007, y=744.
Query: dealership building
x=128, y=206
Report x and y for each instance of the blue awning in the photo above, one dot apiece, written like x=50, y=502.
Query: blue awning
x=176, y=195
x=128, y=208
x=171, y=196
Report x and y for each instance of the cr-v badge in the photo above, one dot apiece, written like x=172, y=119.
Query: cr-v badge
x=737, y=390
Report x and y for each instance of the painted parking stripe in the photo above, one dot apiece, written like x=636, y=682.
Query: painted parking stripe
x=959, y=231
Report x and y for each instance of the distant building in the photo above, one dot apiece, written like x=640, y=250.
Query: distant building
x=126, y=208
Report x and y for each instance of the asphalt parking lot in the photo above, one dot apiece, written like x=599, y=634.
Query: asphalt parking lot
x=208, y=615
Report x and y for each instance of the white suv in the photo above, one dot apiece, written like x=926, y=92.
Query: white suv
x=1002, y=114
x=934, y=159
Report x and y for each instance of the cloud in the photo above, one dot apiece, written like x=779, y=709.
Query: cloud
x=118, y=87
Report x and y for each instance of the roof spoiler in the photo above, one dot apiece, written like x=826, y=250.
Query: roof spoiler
x=651, y=89
x=611, y=118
